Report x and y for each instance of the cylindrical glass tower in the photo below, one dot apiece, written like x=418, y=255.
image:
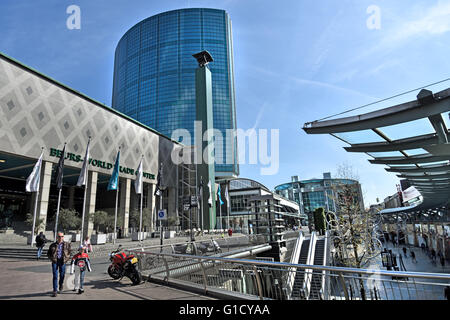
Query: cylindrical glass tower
x=154, y=74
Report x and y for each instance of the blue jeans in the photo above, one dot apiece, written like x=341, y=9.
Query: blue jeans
x=39, y=252
x=61, y=266
x=82, y=279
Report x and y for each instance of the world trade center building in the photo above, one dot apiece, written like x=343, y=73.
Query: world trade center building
x=154, y=76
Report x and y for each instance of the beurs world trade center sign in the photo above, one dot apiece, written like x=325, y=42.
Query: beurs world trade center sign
x=97, y=163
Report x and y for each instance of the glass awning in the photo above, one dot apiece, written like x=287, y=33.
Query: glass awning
x=412, y=139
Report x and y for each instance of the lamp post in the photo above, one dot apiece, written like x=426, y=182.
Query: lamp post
x=204, y=139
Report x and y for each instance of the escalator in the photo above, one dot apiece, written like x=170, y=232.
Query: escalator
x=316, y=280
x=297, y=292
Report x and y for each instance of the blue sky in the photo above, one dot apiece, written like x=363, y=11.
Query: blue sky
x=295, y=62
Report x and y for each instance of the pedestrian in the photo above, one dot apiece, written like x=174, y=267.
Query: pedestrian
x=442, y=261
x=81, y=260
x=413, y=256
x=404, y=252
x=59, y=253
x=423, y=247
x=40, y=243
x=433, y=254
x=447, y=292
x=87, y=244
x=230, y=232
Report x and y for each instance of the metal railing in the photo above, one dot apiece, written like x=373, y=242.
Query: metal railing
x=204, y=247
x=256, y=279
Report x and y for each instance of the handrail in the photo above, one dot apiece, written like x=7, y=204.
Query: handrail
x=184, y=242
x=293, y=270
x=424, y=275
x=310, y=261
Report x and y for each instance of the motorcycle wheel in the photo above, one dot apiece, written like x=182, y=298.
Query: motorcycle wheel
x=135, y=277
x=113, y=273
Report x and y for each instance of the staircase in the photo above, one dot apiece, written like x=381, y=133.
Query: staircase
x=22, y=253
x=297, y=292
x=316, y=280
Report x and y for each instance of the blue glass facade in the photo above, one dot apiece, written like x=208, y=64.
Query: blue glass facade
x=154, y=74
x=316, y=193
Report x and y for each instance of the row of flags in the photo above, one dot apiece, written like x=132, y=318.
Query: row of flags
x=33, y=180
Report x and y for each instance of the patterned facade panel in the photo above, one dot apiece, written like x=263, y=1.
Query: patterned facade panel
x=35, y=112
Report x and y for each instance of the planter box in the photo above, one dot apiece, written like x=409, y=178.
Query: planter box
x=76, y=237
x=135, y=236
x=98, y=238
x=169, y=234
x=110, y=237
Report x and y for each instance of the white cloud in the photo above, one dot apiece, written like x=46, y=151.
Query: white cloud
x=435, y=21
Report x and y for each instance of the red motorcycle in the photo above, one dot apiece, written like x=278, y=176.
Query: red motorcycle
x=124, y=265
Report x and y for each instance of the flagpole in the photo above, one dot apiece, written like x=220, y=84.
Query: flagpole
x=115, y=215
x=220, y=214
x=57, y=213
x=141, y=186
x=117, y=199
x=84, y=209
x=228, y=205
x=140, y=222
x=86, y=176
x=201, y=213
x=34, y=217
x=36, y=204
x=59, y=185
x=196, y=194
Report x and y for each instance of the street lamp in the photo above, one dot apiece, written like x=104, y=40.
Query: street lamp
x=203, y=58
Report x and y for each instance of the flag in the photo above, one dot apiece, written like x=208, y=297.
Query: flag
x=200, y=188
x=139, y=177
x=114, y=180
x=35, y=177
x=210, y=194
x=220, y=196
x=227, y=196
x=60, y=169
x=158, y=190
x=84, y=169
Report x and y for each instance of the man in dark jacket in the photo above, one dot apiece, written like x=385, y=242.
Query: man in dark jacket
x=40, y=243
x=59, y=253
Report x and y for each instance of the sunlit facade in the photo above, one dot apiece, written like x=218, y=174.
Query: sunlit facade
x=316, y=193
x=154, y=74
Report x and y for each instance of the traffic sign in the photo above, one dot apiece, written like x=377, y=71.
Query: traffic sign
x=162, y=214
x=194, y=201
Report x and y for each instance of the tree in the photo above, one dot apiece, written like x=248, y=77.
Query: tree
x=39, y=222
x=135, y=217
x=68, y=219
x=320, y=223
x=100, y=220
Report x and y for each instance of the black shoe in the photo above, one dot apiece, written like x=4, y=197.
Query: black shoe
x=61, y=287
x=54, y=294
x=80, y=291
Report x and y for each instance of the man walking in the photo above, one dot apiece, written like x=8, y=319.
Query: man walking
x=413, y=256
x=59, y=253
x=40, y=243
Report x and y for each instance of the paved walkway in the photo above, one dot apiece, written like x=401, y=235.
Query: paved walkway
x=28, y=279
x=424, y=263
x=32, y=280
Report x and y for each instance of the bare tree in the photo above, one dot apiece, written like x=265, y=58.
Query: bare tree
x=354, y=231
